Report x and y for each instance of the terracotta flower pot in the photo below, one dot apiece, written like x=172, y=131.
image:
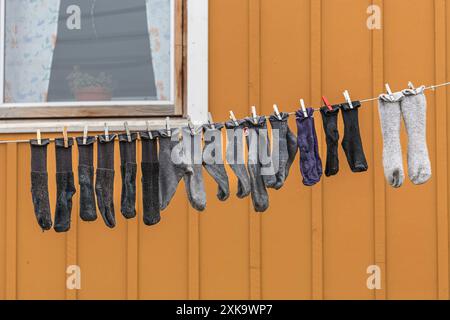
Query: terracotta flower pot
x=93, y=94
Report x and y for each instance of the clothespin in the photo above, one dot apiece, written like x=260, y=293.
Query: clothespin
x=66, y=139
x=327, y=103
x=210, y=121
x=254, y=115
x=347, y=97
x=85, y=134
x=169, y=131
x=148, y=130
x=38, y=136
x=277, y=112
x=302, y=104
x=411, y=86
x=127, y=130
x=191, y=125
x=233, y=118
x=106, y=132
x=388, y=89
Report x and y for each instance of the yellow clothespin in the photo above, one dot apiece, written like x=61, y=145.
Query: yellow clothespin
x=66, y=139
x=38, y=137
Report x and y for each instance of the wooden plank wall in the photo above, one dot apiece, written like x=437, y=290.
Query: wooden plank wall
x=313, y=243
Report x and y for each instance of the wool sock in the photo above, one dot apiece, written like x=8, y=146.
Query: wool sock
x=39, y=183
x=330, y=126
x=414, y=111
x=128, y=168
x=65, y=187
x=173, y=165
x=213, y=159
x=390, y=118
x=88, y=211
x=287, y=148
x=260, y=198
x=352, y=143
x=104, y=184
x=310, y=162
x=150, y=178
x=235, y=156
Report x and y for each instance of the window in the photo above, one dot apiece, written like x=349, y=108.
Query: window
x=94, y=58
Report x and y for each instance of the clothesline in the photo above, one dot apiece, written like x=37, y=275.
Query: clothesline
x=432, y=87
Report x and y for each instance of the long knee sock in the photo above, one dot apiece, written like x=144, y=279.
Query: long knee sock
x=414, y=110
x=88, y=211
x=330, y=126
x=39, y=183
x=390, y=118
x=352, y=143
x=104, y=184
x=235, y=156
x=287, y=148
x=310, y=162
x=65, y=187
x=150, y=178
x=128, y=168
x=213, y=159
x=173, y=165
x=260, y=197
x=195, y=187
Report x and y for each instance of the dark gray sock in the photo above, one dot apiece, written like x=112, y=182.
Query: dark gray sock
x=104, y=184
x=150, y=178
x=88, y=211
x=195, y=187
x=39, y=183
x=235, y=156
x=287, y=150
x=260, y=198
x=128, y=168
x=171, y=170
x=65, y=187
x=213, y=159
x=330, y=126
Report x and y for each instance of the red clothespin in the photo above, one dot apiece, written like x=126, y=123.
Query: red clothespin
x=327, y=103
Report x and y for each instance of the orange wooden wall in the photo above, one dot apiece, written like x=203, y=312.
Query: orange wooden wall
x=313, y=243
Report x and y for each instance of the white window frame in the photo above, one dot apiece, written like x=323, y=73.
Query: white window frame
x=196, y=95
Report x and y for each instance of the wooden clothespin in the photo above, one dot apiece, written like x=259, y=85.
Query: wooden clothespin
x=303, y=106
x=85, y=134
x=106, y=132
x=233, y=118
x=277, y=112
x=210, y=121
x=411, y=86
x=150, y=135
x=38, y=137
x=348, y=99
x=191, y=125
x=254, y=115
x=327, y=103
x=127, y=130
x=66, y=138
x=388, y=89
x=169, y=131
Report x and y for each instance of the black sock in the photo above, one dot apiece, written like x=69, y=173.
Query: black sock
x=65, y=187
x=104, y=184
x=330, y=126
x=39, y=183
x=352, y=143
x=128, y=168
x=150, y=178
x=88, y=211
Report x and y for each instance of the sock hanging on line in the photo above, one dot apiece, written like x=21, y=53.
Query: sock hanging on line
x=150, y=178
x=310, y=162
x=39, y=183
x=65, y=187
x=104, y=184
x=390, y=119
x=352, y=143
x=88, y=211
x=287, y=148
x=213, y=159
x=414, y=111
x=235, y=156
x=128, y=168
x=330, y=126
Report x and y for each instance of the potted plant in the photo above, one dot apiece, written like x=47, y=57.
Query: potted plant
x=86, y=87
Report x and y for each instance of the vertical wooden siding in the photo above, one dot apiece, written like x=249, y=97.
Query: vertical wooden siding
x=313, y=243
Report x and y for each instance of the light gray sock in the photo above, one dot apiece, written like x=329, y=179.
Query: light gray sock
x=172, y=165
x=213, y=159
x=414, y=111
x=390, y=118
x=193, y=181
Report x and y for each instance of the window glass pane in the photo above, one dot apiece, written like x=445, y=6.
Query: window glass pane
x=88, y=50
